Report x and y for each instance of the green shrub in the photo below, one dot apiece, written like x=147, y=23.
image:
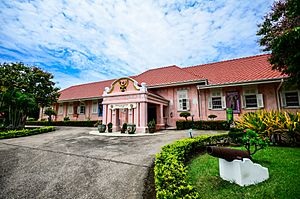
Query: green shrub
x=170, y=171
x=203, y=125
x=63, y=123
x=212, y=117
x=25, y=132
x=185, y=114
x=66, y=119
x=252, y=139
x=236, y=135
x=276, y=125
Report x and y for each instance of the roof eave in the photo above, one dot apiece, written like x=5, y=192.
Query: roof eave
x=179, y=83
x=79, y=99
x=242, y=83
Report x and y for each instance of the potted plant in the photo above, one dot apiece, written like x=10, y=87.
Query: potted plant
x=131, y=128
x=109, y=127
x=101, y=127
x=152, y=126
x=124, y=128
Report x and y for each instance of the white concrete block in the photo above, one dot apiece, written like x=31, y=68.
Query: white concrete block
x=242, y=172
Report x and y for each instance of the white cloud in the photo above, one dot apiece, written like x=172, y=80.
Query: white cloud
x=107, y=39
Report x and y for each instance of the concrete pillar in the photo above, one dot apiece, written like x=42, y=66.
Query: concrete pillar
x=136, y=116
x=129, y=116
x=115, y=120
x=104, y=114
x=109, y=115
x=161, y=114
x=143, y=128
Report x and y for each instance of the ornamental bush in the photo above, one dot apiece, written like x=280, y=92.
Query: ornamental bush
x=203, y=125
x=281, y=127
x=25, y=132
x=170, y=171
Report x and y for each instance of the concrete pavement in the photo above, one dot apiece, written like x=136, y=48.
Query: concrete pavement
x=71, y=163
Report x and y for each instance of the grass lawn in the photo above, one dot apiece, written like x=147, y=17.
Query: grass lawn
x=284, y=170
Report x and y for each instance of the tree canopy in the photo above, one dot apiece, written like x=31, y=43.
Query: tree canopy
x=280, y=34
x=23, y=89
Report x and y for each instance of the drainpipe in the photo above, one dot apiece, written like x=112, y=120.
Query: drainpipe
x=277, y=94
x=199, y=104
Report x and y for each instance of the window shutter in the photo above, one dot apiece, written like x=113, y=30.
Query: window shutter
x=243, y=101
x=298, y=97
x=223, y=101
x=187, y=104
x=78, y=109
x=283, y=100
x=179, y=104
x=209, y=103
x=260, y=100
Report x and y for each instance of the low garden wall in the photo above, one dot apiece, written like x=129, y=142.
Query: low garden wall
x=170, y=171
x=25, y=132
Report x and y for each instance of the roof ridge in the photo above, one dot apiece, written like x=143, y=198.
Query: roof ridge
x=151, y=69
x=86, y=84
x=253, y=56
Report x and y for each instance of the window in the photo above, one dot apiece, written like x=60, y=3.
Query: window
x=60, y=109
x=291, y=98
x=95, y=107
x=70, y=109
x=82, y=108
x=216, y=101
x=251, y=98
x=100, y=109
x=183, y=100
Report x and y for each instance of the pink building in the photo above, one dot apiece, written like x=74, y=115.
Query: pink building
x=245, y=84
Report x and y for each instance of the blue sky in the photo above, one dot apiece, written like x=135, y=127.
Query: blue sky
x=82, y=41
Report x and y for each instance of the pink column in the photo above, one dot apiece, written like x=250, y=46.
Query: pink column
x=115, y=120
x=136, y=116
x=143, y=117
x=104, y=114
x=161, y=106
x=109, y=115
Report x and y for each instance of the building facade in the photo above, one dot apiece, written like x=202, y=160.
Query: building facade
x=245, y=85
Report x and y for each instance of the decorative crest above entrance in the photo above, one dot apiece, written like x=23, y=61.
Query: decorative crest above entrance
x=125, y=84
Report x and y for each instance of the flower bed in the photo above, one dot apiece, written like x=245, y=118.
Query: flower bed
x=25, y=132
x=170, y=171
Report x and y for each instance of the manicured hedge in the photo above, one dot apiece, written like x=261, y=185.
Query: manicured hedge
x=25, y=132
x=90, y=123
x=170, y=171
x=203, y=125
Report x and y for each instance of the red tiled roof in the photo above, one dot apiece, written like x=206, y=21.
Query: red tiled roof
x=236, y=70
x=165, y=75
x=231, y=71
x=88, y=90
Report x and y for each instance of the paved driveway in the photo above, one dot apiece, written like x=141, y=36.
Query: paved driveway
x=71, y=163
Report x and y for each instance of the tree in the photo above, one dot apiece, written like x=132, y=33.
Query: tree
x=185, y=115
x=49, y=112
x=280, y=34
x=22, y=90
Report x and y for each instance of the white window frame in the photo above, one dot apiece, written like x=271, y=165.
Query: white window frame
x=70, y=108
x=216, y=93
x=249, y=91
x=283, y=98
x=60, y=110
x=182, y=96
x=95, y=107
x=82, y=104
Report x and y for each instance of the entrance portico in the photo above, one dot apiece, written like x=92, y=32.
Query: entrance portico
x=125, y=101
